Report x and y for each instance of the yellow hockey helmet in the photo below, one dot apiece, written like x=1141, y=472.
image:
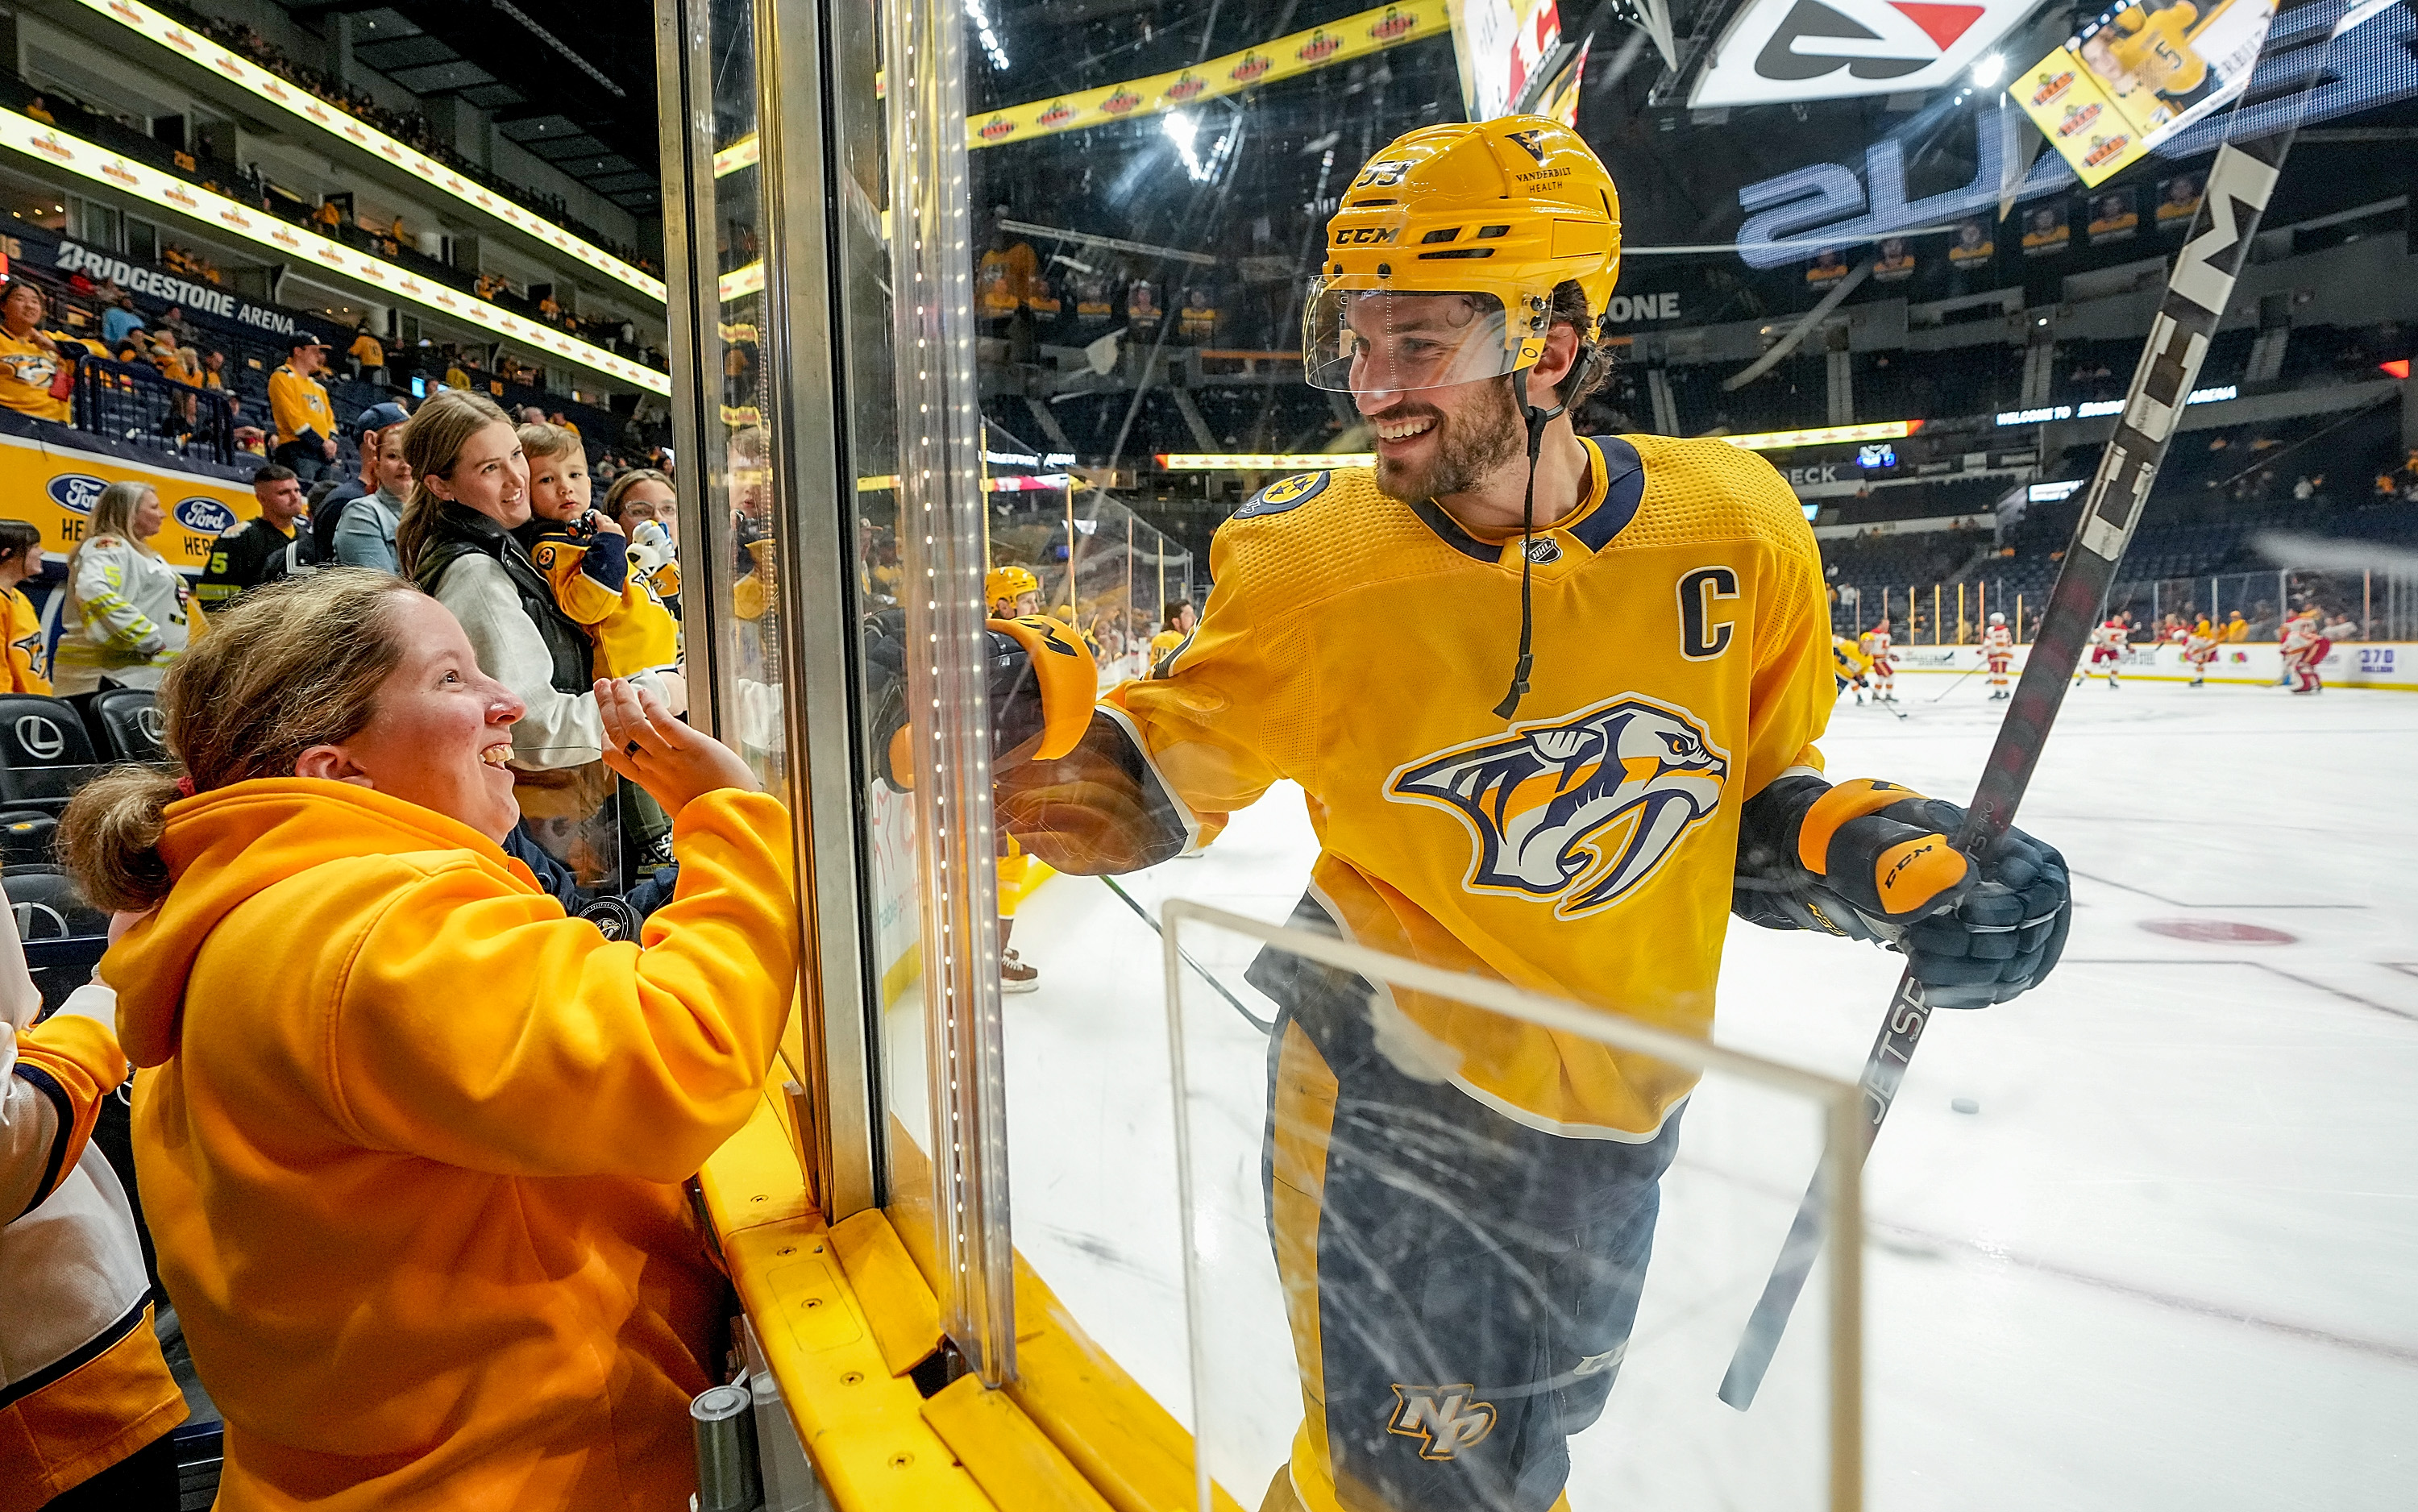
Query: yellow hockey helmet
x=1009, y=582
x=1494, y=215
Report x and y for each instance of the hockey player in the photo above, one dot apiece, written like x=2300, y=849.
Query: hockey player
x=1848, y=666
x=1012, y=592
x=1460, y=1205
x=1998, y=652
x=2106, y=650
x=2305, y=646
x=2199, y=649
x=1875, y=644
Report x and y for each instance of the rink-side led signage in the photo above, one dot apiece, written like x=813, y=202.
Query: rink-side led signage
x=1824, y=435
x=300, y=105
x=48, y=145
x=1262, y=461
x=2045, y=413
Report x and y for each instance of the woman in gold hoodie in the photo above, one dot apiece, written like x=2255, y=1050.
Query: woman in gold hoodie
x=410, y=1138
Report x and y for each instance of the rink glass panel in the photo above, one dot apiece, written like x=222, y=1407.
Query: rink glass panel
x=1214, y=209
x=1361, y=1239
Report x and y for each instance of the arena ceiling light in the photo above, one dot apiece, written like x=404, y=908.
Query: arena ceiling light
x=297, y=106
x=226, y=217
x=1822, y=436
x=1262, y=461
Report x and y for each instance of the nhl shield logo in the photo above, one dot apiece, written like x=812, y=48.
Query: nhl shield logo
x=1579, y=810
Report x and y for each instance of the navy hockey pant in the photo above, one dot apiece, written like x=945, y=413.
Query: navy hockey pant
x=1460, y=1287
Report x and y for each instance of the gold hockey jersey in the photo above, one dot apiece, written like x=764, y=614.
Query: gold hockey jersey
x=1357, y=645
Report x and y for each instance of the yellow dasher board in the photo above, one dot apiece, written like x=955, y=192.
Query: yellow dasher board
x=54, y=488
x=2139, y=73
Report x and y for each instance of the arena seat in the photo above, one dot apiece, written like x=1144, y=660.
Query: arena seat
x=125, y=725
x=45, y=751
x=25, y=837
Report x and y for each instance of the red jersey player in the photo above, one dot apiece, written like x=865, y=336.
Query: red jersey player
x=2305, y=646
x=1875, y=644
x=2107, y=649
x=2199, y=649
x=1998, y=652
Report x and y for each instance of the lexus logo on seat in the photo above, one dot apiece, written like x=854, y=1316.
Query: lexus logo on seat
x=39, y=737
x=1791, y=50
x=154, y=728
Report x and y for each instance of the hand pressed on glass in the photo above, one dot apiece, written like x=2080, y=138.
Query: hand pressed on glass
x=645, y=742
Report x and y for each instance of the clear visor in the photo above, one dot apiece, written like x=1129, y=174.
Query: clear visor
x=1363, y=341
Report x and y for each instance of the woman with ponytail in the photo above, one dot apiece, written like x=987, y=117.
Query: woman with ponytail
x=469, y=488
x=410, y=1138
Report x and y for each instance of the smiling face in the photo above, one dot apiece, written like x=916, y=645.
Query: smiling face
x=393, y=470
x=440, y=731
x=489, y=475
x=20, y=308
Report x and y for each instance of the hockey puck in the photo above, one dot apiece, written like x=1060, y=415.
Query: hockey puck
x=2218, y=932
x=1966, y=1104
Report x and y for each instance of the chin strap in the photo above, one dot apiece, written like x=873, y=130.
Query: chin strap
x=1538, y=420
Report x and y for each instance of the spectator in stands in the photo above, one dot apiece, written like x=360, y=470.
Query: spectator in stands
x=414, y=1166
x=556, y=421
x=640, y=495
x=298, y=402
x=21, y=557
x=329, y=216
x=119, y=321
x=455, y=375
x=175, y=324
x=250, y=440
x=327, y=511
x=214, y=372
x=470, y=489
x=40, y=111
x=368, y=356
x=252, y=552
x=34, y=367
x=366, y=537
x=126, y=618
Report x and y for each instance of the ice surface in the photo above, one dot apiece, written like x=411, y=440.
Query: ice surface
x=2169, y=1262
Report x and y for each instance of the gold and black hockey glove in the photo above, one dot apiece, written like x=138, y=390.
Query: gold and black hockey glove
x=1873, y=861
x=1043, y=681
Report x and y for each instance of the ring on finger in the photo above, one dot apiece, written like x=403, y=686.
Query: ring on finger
x=630, y=748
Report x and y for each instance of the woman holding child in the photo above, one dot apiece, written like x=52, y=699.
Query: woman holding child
x=470, y=491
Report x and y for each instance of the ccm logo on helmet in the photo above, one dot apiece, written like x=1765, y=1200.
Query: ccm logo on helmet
x=1367, y=236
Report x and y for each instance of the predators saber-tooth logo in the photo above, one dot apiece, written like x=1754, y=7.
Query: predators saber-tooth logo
x=1443, y=1418
x=1579, y=810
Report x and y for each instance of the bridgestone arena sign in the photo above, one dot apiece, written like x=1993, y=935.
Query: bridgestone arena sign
x=102, y=269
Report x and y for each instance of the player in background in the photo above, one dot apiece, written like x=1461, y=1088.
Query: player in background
x=1012, y=592
x=2107, y=649
x=1174, y=629
x=2305, y=646
x=2199, y=649
x=1998, y=652
x=1875, y=644
x=1462, y=1206
x=1848, y=666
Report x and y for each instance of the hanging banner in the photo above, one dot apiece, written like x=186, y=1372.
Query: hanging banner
x=2138, y=74
x=54, y=149
x=1354, y=37
x=54, y=489
x=1779, y=50
x=1498, y=44
x=300, y=107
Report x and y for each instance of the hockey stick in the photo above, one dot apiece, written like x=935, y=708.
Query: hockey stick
x=1219, y=987
x=1954, y=686
x=2237, y=189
